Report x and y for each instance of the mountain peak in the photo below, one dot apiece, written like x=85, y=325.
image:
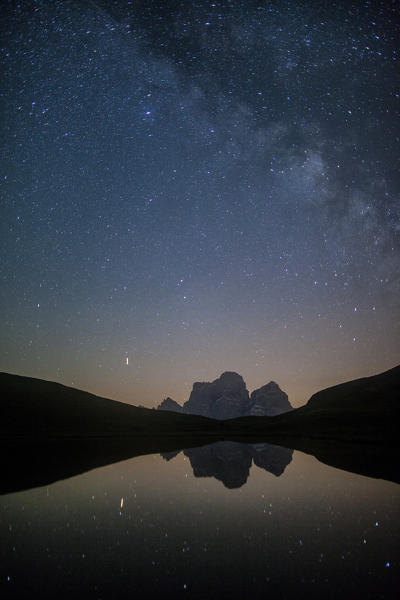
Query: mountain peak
x=227, y=398
x=230, y=375
x=269, y=400
x=169, y=404
x=222, y=398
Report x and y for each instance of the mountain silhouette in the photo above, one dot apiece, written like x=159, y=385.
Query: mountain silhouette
x=228, y=398
x=362, y=410
x=41, y=409
x=49, y=431
x=169, y=404
x=223, y=398
x=365, y=410
x=268, y=400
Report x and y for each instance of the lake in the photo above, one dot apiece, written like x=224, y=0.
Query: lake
x=227, y=520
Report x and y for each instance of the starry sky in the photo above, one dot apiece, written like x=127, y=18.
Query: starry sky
x=192, y=187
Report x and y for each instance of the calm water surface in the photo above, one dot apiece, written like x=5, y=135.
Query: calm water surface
x=223, y=521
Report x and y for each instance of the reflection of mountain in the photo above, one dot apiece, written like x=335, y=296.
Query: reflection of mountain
x=170, y=455
x=49, y=431
x=230, y=462
x=273, y=459
x=30, y=464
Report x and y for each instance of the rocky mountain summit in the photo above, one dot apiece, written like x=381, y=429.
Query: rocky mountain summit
x=228, y=398
x=269, y=400
x=224, y=398
x=169, y=404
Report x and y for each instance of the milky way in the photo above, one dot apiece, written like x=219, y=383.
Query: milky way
x=193, y=187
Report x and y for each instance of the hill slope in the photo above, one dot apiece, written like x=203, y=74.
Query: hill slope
x=366, y=409
x=38, y=408
x=49, y=431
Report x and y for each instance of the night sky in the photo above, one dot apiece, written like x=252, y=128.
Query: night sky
x=193, y=187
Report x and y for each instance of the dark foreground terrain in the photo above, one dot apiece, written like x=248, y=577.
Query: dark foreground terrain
x=41, y=409
x=362, y=410
x=50, y=431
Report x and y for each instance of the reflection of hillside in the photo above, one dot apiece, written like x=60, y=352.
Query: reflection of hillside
x=230, y=462
x=27, y=464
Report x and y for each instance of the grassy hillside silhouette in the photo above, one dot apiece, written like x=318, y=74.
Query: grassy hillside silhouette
x=38, y=408
x=363, y=410
x=49, y=431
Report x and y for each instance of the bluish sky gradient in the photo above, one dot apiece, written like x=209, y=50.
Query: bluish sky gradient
x=194, y=187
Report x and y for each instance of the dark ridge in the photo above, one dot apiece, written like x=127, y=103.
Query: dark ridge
x=49, y=431
x=363, y=410
x=42, y=409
